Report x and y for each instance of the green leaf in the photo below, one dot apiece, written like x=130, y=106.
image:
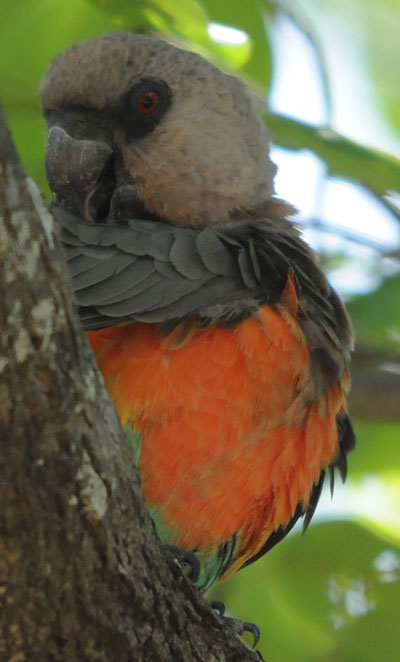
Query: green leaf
x=176, y=16
x=377, y=451
x=323, y=597
x=185, y=20
x=376, y=316
x=250, y=17
x=31, y=34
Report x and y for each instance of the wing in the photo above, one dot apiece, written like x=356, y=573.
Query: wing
x=156, y=272
x=153, y=272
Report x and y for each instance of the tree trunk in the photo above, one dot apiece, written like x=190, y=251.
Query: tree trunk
x=82, y=573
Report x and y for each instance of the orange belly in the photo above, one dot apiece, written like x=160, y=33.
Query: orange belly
x=232, y=433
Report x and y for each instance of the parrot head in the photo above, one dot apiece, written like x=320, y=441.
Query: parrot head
x=141, y=129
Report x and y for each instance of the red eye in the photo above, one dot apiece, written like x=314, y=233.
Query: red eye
x=148, y=103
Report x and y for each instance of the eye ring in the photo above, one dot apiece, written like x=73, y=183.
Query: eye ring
x=148, y=102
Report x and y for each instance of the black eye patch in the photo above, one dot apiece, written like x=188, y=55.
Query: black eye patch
x=142, y=107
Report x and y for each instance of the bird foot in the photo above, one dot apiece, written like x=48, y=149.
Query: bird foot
x=238, y=626
x=186, y=560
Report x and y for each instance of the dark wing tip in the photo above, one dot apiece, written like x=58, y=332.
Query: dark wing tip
x=313, y=502
x=347, y=442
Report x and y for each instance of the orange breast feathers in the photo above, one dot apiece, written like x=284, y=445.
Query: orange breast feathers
x=233, y=434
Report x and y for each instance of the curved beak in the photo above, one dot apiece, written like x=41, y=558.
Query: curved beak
x=88, y=178
x=80, y=174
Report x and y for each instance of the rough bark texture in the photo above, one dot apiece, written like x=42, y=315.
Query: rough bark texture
x=82, y=574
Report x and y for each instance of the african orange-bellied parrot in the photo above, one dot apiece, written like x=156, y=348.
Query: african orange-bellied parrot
x=221, y=342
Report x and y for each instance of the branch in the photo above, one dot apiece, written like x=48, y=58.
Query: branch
x=82, y=573
x=377, y=171
x=390, y=205
x=321, y=226
x=375, y=392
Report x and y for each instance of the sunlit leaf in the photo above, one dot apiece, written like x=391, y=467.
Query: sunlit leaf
x=248, y=16
x=185, y=19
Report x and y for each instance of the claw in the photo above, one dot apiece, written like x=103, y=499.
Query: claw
x=240, y=627
x=186, y=558
x=236, y=624
x=189, y=559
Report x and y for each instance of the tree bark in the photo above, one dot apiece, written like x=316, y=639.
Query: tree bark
x=375, y=391
x=82, y=573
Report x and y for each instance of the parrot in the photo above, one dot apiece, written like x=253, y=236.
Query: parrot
x=221, y=342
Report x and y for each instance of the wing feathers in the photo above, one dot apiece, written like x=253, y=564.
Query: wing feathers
x=153, y=271
x=186, y=259
x=102, y=282
x=214, y=255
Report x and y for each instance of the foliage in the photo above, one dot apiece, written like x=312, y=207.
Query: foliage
x=378, y=315
x=334, y=594
x=330, y=595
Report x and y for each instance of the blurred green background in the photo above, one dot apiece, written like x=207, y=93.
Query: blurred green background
x=329, y=71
